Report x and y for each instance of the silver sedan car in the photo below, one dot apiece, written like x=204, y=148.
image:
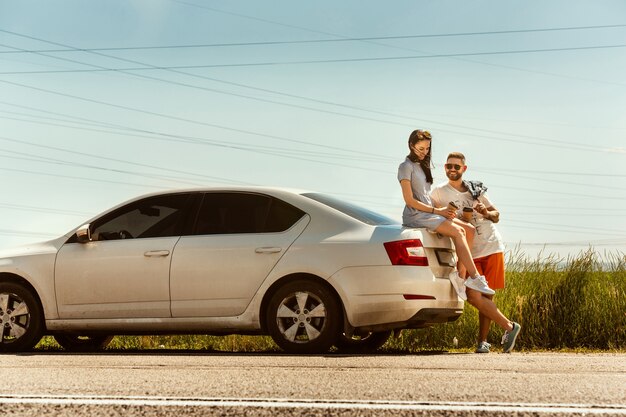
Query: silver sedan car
x=310, y=270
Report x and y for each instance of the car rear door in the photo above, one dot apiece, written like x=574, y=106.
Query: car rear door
x=238, y=239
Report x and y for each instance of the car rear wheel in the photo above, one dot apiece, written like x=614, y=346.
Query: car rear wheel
x=21, y=318
x=75, y=343
x=304, y=317
x=362, y=343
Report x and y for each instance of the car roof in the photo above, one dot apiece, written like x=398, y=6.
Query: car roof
x=236, y=188
x=284, y=192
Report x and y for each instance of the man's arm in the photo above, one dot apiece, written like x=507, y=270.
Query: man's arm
x=487, y=209
x=489, y=213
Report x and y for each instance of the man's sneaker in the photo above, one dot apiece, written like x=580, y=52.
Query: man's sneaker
x=479, y=284
x=459, y=284
x=508, y=340
x=483, y=347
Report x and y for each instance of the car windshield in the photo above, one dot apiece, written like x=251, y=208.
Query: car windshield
x=362, y=214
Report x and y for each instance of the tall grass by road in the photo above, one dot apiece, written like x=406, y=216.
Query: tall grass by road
x=572, y=303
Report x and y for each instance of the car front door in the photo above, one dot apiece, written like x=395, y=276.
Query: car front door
x=238, y=239
x=123, y=271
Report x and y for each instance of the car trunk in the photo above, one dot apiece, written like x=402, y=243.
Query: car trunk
x=440, y=253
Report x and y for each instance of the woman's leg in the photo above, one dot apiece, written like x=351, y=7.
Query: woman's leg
x=470, y=231
x=487, y=307
x=457, y=234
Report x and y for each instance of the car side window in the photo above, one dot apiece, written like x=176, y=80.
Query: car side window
x=158, y=216
x=282, y=216
x=227, y=213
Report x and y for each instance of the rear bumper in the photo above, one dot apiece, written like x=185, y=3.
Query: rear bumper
x=373, y=297
x=426, y=317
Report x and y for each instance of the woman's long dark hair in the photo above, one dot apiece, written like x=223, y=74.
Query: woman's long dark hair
x=418, y=136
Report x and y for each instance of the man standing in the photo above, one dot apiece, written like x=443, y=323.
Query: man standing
x=487, y=247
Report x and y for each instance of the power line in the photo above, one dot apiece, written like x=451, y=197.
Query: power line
x=590, y=243
x=548, y=229
x=291, y=154
x=181, y=119
x=313, y=41
x=323, y=61
x=48, y=174
x=13, y=232
x=369, y=169
x=153, y=134
x=537, y=172
x=569, y=144
x=161, y=136
x=250, y=148
x=572, y=146
x=212, y=9
x=553, y=193
x=295, y=154
x=516, y=205
x=150, y=66
x=53, y=161
x=46, y=210
x=575, y=212
x=71, y=163
x=575, y=228
x=557, y=181
x=387, y=45
x=612, y=241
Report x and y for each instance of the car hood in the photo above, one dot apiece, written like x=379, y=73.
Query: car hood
x=40, y=248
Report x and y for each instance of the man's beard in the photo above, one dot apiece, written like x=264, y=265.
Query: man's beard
x=454, y=175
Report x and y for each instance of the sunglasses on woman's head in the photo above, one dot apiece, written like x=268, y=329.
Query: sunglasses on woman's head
x=424, y=134
x=455, y=166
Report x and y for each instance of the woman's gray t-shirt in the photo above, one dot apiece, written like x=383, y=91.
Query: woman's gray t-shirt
x=411, y=217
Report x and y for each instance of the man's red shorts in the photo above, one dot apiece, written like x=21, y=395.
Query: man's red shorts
x=492, y=267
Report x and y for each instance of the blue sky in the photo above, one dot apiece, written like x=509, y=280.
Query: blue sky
x=95, y=111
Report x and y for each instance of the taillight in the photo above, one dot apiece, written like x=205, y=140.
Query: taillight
x=406, y=252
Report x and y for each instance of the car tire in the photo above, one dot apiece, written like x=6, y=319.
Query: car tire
x=21, y=318
x=73, y=343
x=304, y=317
x=367, y=343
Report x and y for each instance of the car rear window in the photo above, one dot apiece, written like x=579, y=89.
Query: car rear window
x=362, y=214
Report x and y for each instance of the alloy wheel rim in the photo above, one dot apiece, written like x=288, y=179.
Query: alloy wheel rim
x=14, y=317
x=301, y=317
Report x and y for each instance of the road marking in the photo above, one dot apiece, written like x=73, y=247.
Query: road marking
x=316, y=404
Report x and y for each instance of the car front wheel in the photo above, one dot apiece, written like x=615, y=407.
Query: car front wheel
x=21, y=318
x=75, y=343
x=304, y=317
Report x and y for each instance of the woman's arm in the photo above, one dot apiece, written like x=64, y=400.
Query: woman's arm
x=407, y=194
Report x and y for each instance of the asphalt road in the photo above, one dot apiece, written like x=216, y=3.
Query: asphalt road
x=182, y=384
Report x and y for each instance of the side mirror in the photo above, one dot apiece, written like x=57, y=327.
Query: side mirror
x=83, y=234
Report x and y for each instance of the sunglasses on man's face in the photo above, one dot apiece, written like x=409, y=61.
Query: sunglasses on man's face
x=455, y=166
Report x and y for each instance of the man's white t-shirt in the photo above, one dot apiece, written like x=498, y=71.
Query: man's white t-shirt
x=487, y=239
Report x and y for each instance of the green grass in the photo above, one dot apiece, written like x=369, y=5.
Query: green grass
x=570, y=304
x=575, y=303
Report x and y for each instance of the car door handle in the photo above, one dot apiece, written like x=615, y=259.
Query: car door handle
x=153, y=253
x=268, y=250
